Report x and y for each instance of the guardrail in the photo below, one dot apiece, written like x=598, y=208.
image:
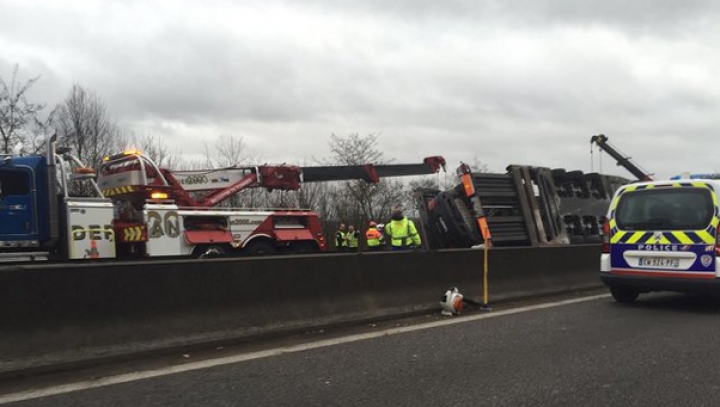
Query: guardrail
x=54, y=315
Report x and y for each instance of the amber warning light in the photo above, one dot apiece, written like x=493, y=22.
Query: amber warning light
x=467, y=182
x=159, y=195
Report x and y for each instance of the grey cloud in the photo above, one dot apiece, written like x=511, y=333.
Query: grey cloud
x=507, y=81
x=637, y=16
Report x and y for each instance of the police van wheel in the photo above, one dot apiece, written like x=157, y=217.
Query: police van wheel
x=624, y=294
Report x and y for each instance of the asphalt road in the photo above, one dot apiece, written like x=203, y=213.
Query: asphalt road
x=664, y=351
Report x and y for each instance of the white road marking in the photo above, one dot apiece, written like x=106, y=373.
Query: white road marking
x=205, y=364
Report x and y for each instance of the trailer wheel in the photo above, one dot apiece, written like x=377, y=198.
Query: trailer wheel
x=209, y=252
x=260, y=247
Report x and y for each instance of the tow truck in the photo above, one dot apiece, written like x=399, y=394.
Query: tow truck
x=52, y=206
x=165, y=212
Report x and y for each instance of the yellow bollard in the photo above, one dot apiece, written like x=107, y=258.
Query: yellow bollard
x=482, y=222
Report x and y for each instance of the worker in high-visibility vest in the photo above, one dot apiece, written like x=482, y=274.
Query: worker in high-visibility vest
x=402, y=232
x=375, y=239
x=341, y=238
x=353, y=239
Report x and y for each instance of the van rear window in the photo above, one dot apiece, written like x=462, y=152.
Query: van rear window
x=665, y=209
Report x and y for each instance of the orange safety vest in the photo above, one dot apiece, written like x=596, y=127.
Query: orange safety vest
x=373, y=237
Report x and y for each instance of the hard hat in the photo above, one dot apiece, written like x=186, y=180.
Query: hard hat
x=373, y=223
x=381, y=226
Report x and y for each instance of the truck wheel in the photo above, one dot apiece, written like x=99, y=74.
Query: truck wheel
x=303, y=247
x=624, y=294
x=558, y=172
x=260, y=247
x=593, y=239
x=208, y=252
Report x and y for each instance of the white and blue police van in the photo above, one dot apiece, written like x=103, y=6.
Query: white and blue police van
x=662, y=236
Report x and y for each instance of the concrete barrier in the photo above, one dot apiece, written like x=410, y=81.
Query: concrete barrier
x=57, y=314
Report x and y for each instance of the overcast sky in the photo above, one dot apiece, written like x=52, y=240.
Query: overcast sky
x=523, y=82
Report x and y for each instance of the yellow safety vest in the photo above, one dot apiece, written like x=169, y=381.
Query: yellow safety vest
x=403, y=233
x=352, y=239
x=340, y=241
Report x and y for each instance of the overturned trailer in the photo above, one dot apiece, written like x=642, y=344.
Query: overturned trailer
x=526, y=206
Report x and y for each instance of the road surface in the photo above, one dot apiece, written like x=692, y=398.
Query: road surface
x=587, y=351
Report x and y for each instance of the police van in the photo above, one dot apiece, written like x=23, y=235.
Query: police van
x=662, y=236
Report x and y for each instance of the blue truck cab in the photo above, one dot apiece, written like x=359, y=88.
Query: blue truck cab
x=662, y=236
x=24, y=203
x=51, y=207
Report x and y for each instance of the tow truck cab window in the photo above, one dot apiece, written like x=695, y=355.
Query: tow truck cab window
x=665, y=209
x=15, y=183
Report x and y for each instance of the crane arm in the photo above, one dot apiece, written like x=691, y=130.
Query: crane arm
x=602, y=141
x=370, y=172
x=131, y=168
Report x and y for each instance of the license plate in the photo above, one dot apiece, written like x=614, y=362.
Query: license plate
x=659, y=262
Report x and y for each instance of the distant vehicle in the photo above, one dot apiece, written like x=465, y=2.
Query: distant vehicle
x=662, y=236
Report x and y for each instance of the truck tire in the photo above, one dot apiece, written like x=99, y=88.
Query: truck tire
x=624, y=294
x=593, y=239
x=260, y=247
x=209, y=251
x=558, y=172
x=303, y=247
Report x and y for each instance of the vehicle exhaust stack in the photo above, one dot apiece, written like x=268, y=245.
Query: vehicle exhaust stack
x=53, y=216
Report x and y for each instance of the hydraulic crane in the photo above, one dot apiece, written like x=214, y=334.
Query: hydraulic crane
x=128, y=172
x=602, y=141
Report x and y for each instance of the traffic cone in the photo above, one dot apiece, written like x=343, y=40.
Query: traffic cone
x=93, y=252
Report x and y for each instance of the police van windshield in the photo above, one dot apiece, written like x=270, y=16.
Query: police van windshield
x=665, y=209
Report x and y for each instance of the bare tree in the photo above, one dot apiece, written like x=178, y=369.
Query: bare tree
x=83, y=125
x=17, y=115
x=355, y=149
x=158, y=151
x=479, y=166
x=231, y=151
x=37, y=132
x=356, y=201
x=315, y=196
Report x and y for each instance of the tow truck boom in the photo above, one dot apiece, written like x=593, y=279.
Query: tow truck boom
x=602, y=141
x=131, y=171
